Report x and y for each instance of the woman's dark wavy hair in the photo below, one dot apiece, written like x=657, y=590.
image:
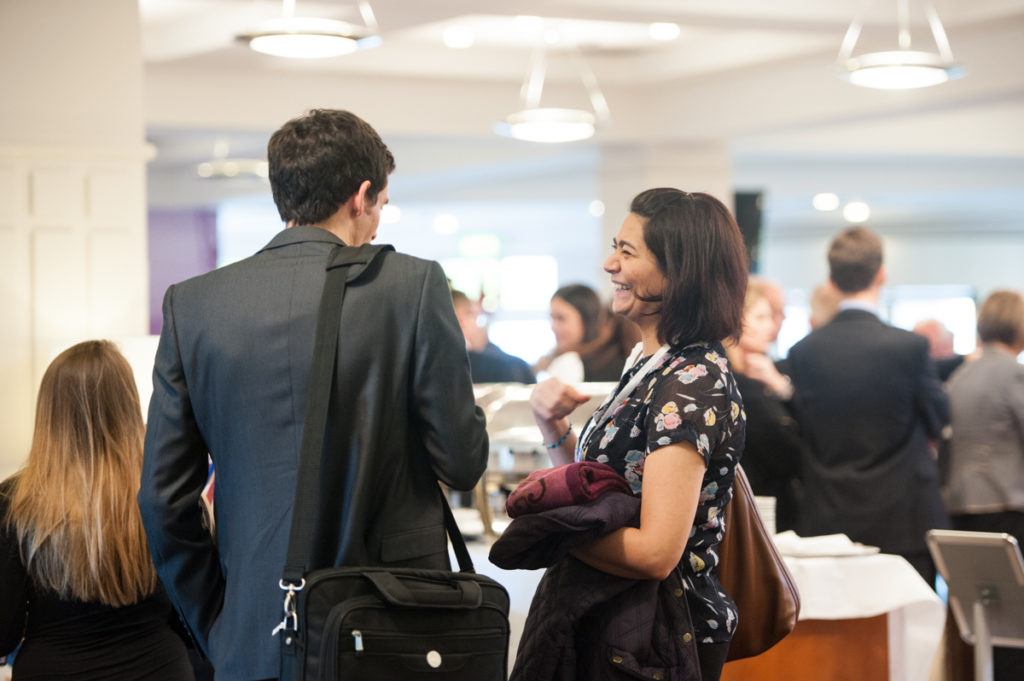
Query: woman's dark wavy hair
x=318, y=161
x=701, y=254
x=587, y=303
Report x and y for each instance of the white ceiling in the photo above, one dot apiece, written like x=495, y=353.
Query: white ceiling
x=758, y=76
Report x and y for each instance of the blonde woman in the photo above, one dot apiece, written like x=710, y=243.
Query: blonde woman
x=773, y=448
x=80, y=594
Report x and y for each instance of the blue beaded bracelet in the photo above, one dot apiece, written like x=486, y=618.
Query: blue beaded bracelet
x=564, y=438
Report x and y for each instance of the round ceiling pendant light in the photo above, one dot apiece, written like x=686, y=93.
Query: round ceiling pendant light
x=304, y=38
x=552, y=125
x=901, y=69
x=548, y=125
x=310, y=37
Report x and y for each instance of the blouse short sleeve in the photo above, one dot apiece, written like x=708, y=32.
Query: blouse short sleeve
x=691, y=402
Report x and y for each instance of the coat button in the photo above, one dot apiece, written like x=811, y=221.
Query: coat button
x=656, y=676
x=678, y=593
x=616, y=659
x=687, y=637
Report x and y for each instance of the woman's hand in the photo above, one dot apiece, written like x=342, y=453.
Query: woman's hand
x=551, y=402
x=762, y=368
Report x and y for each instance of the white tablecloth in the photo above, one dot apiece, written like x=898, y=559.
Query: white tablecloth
x=852, y=587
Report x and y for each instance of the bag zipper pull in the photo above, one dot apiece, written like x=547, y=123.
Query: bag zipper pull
x=358, y=636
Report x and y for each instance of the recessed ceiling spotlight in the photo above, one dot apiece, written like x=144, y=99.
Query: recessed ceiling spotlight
x=596, y=208
x=856, y=212
x=662, y=30
x=458, y=37
x=825, y=202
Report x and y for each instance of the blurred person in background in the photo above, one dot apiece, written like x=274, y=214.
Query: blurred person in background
x=985, y=492
x=824, y=304
x=869, y=403
x=487, y=362
x=77, y=579
x=940, y=347
x=773, y=448
x=590, y=344
x=776, y=298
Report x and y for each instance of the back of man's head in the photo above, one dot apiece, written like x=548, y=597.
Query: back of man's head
x=854, y=259
x=319, y=160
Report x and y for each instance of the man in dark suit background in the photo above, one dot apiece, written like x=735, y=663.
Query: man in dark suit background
x=231, y=377
x=487, y=362
x=869, y=402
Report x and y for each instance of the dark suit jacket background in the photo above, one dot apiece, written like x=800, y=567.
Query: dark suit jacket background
x=231, y=377
x=868, y=401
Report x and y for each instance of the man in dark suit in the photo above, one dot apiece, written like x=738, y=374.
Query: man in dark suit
x=869, y=403
x=231, y=377
x=487, y=362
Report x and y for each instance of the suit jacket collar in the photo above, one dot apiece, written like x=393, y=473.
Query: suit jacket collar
x=855, y=314
x=302, y=233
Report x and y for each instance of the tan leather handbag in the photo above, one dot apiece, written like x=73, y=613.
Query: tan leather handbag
x=753, y=573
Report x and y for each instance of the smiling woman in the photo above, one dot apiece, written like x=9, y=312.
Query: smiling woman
x=674, y=426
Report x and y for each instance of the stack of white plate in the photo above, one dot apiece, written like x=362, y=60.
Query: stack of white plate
x=766, y=507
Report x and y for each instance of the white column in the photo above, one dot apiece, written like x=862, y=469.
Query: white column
x=627, y=170
x=73, y=260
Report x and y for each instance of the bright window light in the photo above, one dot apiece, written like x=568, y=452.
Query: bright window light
x=390, y=214
x=528, y=282
x=482, y=245
x=445, y=224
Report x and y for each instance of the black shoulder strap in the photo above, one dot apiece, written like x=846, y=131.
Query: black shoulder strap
x=346, y=265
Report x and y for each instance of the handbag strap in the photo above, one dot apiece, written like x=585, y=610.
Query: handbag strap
x=341, y=271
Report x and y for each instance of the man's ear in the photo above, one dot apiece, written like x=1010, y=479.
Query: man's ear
x=358, y=200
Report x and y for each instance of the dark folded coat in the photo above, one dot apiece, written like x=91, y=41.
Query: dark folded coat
x=587, y=624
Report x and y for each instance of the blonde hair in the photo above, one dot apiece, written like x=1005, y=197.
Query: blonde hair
x=73, y=504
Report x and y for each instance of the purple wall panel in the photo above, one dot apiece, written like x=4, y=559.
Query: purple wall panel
x=182, y=244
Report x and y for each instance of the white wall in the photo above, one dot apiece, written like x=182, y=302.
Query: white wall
x=72, y=192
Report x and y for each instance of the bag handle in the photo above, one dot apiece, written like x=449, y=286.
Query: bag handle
x=343, y=268
x=465, y=594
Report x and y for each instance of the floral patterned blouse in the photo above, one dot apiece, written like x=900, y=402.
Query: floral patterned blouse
x=689, y=396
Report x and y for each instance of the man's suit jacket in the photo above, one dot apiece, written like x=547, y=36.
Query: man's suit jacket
x=231, y=377
x=868, y=401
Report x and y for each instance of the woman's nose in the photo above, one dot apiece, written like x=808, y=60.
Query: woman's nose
x=611, y=264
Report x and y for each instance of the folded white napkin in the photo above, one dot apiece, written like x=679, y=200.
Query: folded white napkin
x=790, y=543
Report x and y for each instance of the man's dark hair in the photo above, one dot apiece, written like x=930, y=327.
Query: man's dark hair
x=854, y=258
x=584, y=299
x=700, y=252
x=318, y=161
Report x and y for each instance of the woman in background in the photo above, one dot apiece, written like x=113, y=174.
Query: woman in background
x=78, y=583
x=674, y=426
x=590, y=344
x=985, y=492
x=773, y=449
